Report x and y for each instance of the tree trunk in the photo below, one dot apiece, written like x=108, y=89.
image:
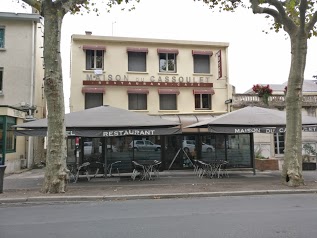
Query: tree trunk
x=292, y=169
x=56, y=169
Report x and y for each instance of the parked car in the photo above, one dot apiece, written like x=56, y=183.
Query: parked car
x=144, y=145
x=190, y=145
x=88, y=148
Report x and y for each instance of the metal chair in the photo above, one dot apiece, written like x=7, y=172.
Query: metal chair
x=222, y=169
x=74, y=173
x=138, y=170
x=156, y=168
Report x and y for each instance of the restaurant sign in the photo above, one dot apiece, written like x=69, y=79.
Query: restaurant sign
x=255, y=129
x=103, y=133
x=167, y=80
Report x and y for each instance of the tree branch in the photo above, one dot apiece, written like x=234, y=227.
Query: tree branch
x=260, y=10
x=311, y=23
x=34, y=3
x=279, y=13
x=302, y=13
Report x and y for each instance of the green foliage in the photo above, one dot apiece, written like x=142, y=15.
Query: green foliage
x=283, y=14
x=258, y=153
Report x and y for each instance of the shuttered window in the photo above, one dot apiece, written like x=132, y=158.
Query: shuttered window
x=93, y=100
x=137, y=61
x=201, y=64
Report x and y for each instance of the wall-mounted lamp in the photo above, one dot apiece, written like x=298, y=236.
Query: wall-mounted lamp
x=228, y=101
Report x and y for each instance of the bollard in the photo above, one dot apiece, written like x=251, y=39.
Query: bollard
x=2, y=169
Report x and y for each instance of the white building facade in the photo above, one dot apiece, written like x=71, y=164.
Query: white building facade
x=21, y=81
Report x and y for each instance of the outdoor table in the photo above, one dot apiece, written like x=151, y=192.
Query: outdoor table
x=148, y=167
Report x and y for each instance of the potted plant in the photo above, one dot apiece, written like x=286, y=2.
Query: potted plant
x=264, y=163
x=309, y=157
x=263, y=92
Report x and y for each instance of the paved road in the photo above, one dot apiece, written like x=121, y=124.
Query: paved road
x=291, y=216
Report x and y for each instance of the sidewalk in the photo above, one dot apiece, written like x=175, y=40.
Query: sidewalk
x=25, y=186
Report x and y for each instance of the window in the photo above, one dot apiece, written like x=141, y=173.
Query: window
x=137, y=101
x=1, y=37
x=203, y=101
x=1, y=79
x=279, y=139
x=168, y=102
x=201, y=64
x=93, y=100
x=7, y=137
x=167, y=62
x=10, y=138
x=94, y=59
x=137, y=61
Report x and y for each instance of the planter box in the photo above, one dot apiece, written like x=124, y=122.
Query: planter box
x=266, y=164
x=309, y=166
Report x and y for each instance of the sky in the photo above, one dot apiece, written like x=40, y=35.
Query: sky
x=254, y=57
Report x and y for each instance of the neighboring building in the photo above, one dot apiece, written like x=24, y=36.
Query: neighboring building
x=186, y=81
x=272, y=145
x=21, y=86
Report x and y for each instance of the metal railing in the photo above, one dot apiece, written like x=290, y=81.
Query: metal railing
x=240, y=100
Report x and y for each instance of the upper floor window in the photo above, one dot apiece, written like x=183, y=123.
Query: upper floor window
x=94, y=56
x=1, y=79
x=137, y=101
x=137, y=59
x=1, y=37
x=203, y=99
x=137, y=98
x=201, y=61
x=94, y=59
x=93, y=100
x=168, y=99
x=167, y=60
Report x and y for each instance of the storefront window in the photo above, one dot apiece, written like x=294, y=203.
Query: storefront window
x=10, y=138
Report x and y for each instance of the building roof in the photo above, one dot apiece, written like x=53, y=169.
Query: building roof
x=105, y=117
x=252, y=116
x=20, y=16
x=86, y=37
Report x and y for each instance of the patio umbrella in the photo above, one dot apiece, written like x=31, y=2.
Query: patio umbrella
x=105, y=121
x=253, y=119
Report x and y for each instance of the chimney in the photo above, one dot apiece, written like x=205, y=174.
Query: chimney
x=88, y=32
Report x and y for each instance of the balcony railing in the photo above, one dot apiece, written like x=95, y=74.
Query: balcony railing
x=242, y=100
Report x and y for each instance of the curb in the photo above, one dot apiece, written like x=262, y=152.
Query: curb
x=46, y=199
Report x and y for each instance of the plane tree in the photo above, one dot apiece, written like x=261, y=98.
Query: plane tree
x=297, y=18
x=53, y=12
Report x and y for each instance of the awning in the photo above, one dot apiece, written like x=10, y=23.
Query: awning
x=94, y=47
x=93, y=90
x=204, y=91
x=167, y=51
x=104, y=133
x=202, y=52
x=168, y=91
x=133, y=49
x=138, y=91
